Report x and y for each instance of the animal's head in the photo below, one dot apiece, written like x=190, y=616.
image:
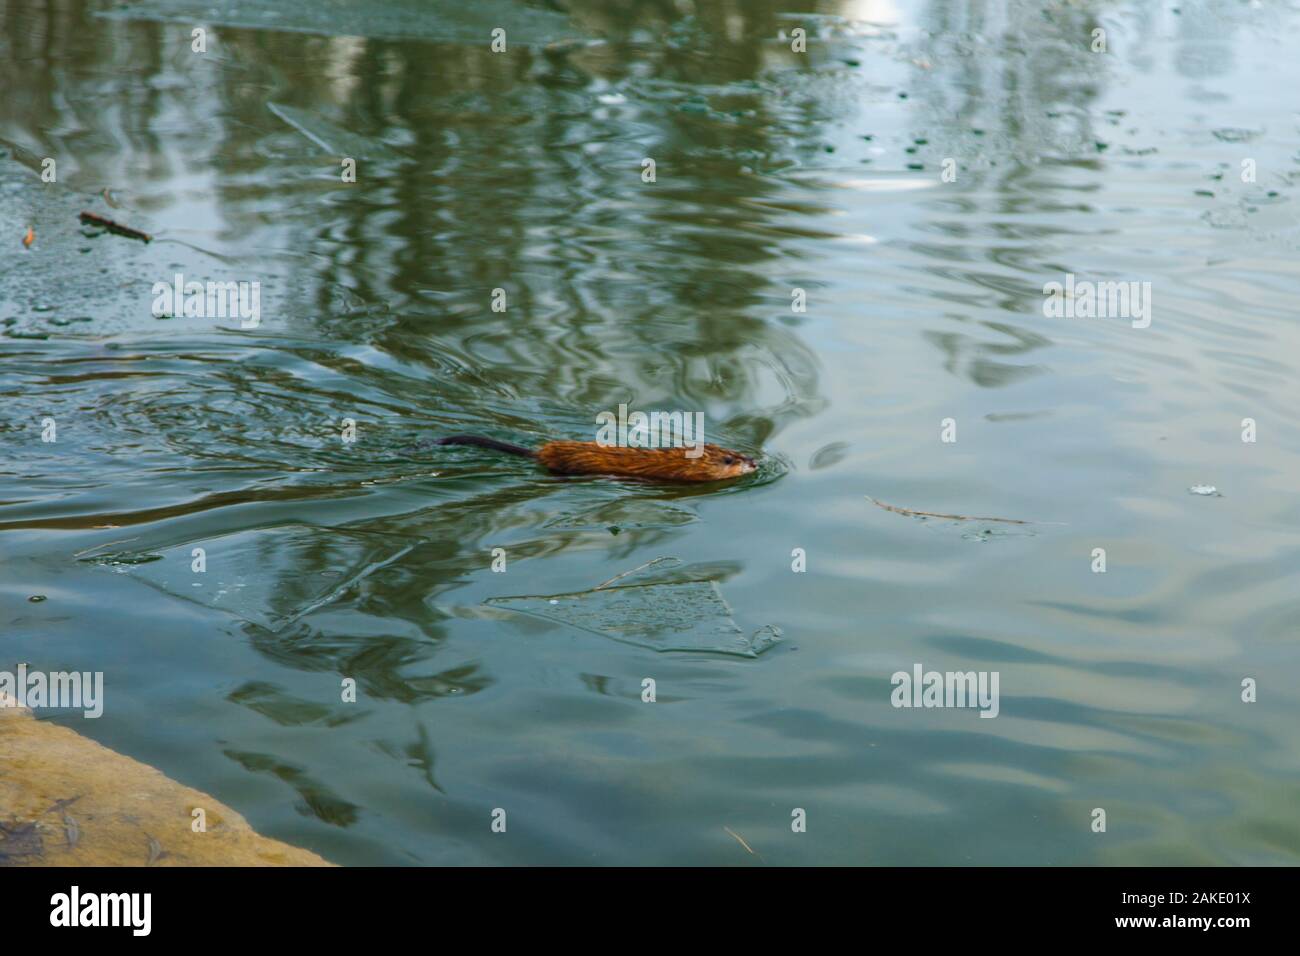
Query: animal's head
x=719, y=463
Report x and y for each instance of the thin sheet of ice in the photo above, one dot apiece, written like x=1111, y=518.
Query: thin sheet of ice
x=456, y=21
x=624, y=514
x=271, y=577
x=683, y=616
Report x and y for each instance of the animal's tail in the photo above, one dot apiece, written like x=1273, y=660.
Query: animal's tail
x=481, y=442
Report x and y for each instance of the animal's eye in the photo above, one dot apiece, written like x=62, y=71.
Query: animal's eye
x=728, y=460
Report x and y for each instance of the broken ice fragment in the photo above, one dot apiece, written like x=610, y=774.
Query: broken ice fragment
x=270, y=576
x=528, y=25
x=680, y=616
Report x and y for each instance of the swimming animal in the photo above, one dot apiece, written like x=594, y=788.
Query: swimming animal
x=713, y=463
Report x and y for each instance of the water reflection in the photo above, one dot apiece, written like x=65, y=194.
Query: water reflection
x=475, y=172
x=775, y=172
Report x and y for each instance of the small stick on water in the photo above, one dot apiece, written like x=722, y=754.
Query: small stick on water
x=106, y=544
x=741, y=840
x=931, y=514
x=640, y=567
x=94, y=219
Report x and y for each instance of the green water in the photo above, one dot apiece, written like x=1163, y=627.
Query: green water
x=775, y=171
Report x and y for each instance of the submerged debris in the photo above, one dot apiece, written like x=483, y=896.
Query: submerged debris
x=103, y=222
x=990, y=534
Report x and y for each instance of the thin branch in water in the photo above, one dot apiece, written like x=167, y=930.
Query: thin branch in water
x=94, y=219
x=932, y=514
x=741, y=840
x=106, y=544
x=640, y=567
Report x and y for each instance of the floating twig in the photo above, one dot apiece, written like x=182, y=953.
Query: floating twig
x=640, y=567
x=106, y=544
x=741, y=840
x=94, y=219
x=931, y=514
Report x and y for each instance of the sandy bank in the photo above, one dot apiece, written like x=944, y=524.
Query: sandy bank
x=68, y=801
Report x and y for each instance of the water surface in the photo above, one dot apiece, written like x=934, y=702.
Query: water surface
x=775, y=171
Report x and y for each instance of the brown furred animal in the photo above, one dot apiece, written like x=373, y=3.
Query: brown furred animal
x=653, y=464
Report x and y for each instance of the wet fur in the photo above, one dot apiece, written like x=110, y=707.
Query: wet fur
x=652, y=464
